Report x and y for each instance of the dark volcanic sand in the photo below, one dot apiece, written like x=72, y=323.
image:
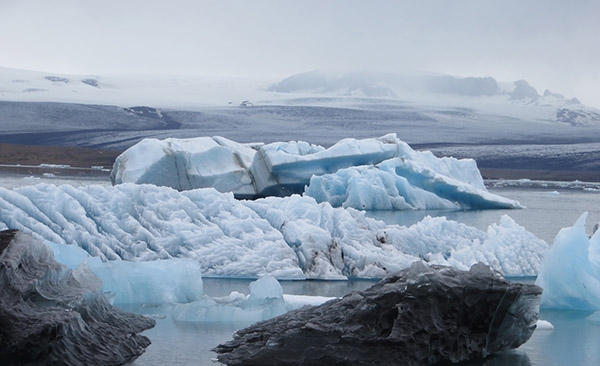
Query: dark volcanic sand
x=30, y=157
x=74, y=156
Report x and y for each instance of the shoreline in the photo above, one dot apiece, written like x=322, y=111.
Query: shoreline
x=90, y=162
x=540, y=175
x=12, y=155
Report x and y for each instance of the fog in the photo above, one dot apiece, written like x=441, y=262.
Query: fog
x=552, y=44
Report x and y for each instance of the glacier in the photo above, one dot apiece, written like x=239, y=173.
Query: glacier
x=291, y=237
x=378, y=173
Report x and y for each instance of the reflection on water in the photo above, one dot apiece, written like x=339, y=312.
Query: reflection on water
x=574, y=341
x=184, y=343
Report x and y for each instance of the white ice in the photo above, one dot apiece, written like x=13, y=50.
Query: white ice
x=265, y=301
x=288, y=238
x=570, y=273
x=377, y=174
x=544, y=325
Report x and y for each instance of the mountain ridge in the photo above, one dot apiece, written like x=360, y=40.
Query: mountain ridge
x=114, y=114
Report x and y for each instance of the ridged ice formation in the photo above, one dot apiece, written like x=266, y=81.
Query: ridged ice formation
x=288, y=237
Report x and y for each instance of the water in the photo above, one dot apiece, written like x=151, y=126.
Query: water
x=573, y=342
x=548, y=209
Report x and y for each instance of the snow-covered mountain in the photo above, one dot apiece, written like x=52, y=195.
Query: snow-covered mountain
x=473, y=90
x=438, y=112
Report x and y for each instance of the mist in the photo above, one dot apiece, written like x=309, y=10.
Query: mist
x=551, y=44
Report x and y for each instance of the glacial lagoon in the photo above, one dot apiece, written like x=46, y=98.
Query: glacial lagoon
x=550, y=207
x=574, y=340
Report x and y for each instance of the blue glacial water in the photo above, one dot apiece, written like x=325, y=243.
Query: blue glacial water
x=575, y=340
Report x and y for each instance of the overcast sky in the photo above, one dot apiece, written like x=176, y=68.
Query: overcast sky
x=551, y=44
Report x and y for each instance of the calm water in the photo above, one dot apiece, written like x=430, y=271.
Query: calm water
x=575, y=341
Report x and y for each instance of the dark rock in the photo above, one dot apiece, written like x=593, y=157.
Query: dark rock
x=52, y=315
x=420, y=316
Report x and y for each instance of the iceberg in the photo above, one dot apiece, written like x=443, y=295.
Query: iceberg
x=570, y=273
x=50, y=314
x=403, y=184
x=423, y=315
x=188, y=163
x=377, y=173
x=286, y=237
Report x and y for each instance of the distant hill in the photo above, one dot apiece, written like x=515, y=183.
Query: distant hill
x=393, y=86
x=476, y=117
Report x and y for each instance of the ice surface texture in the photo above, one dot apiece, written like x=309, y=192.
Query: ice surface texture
x=376, y=174
x=570, y=273
x=289, y=237
x=419, y=316
x=52, y=315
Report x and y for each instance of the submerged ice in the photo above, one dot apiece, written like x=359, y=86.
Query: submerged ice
x=286, y=237
x=379, y=174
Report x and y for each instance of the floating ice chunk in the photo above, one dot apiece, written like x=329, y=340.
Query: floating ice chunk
x=400, y=184
x=265, y=288
x=508, y=247
x=69, y=255
x=146, y=222
x=188, y=163
x=403, y=178
x=265, y=301
x=553, y=193
x=280, y=169
x=293, y=302
x=543, y=325
x=570, y=273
